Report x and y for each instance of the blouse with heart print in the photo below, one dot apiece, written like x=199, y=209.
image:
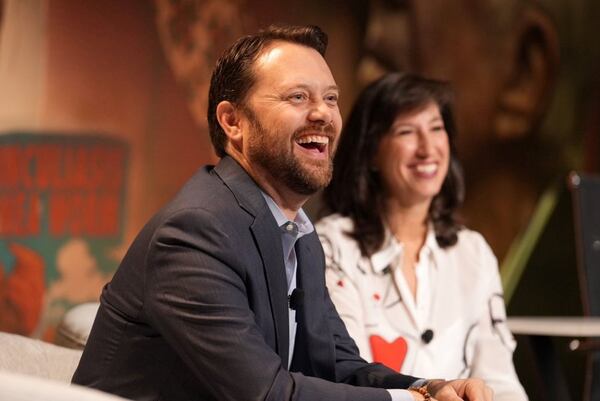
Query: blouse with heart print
x=455, y=328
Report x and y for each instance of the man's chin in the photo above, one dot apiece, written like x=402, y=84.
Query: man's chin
x=310, y=182
x=301, y=175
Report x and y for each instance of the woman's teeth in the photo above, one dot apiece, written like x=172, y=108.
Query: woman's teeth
x=426, y=168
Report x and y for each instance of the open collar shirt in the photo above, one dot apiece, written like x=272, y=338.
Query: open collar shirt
x=291, y=231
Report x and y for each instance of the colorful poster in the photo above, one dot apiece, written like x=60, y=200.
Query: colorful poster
x=62, y=203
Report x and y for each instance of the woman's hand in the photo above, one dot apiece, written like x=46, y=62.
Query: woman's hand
x=459, y=390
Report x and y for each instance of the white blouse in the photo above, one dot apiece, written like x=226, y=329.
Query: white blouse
x=456, y=327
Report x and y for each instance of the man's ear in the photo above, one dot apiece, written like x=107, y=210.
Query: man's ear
x=534, y=59
x=228, y=117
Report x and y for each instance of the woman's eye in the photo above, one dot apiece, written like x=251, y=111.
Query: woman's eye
x=438, y=128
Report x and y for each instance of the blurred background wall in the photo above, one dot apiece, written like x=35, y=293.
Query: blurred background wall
x=102, y=115
x=101, y=121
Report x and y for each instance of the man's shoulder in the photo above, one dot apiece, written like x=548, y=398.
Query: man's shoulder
x=213, y=187
x=201, y=189
x=201, y=202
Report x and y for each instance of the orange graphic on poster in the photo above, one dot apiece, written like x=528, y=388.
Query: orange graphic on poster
x=22, y=291
x=61, y=217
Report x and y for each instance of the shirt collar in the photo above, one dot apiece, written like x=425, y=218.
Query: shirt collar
x=391, y=250
x=302, y=221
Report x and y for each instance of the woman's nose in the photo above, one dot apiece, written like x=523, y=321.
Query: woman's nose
x=425, y=143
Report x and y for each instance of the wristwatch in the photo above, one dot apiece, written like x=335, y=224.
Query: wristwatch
x=420, y=386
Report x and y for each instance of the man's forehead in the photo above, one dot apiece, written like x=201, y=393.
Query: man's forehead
x=271, y=53
x=292, y=64
x=279, y=51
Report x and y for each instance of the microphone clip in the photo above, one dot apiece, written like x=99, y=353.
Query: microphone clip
x=427, y=336
x=296, y=299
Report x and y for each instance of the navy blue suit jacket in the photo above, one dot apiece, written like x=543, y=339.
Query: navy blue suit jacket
x=198, y=309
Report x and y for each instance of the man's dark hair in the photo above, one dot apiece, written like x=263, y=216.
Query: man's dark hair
x=356, y=189
x=233, y=75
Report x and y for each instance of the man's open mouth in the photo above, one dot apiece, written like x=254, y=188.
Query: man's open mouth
x=314, y=142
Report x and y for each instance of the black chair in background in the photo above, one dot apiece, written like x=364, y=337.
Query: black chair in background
x=562, y=278
x=585, y=191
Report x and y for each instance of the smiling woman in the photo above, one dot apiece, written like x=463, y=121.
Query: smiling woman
x=404, y=112
x=413, y=157
x=414, y=288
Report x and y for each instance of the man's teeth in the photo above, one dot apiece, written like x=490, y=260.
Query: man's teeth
x=426, y=168
x=323, y=140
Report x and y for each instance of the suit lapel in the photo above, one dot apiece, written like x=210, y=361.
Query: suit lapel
x=268, y=240
x=315, y=328
x=269, y=245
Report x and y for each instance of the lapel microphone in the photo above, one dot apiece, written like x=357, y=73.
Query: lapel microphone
x=427, y=336
x=296, y=299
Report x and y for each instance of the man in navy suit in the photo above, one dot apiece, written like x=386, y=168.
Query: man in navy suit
x=222, y=294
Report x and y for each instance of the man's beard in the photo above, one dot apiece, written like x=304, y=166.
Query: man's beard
x=282, y=164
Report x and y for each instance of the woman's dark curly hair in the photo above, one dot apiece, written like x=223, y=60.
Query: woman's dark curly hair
x=355, y=190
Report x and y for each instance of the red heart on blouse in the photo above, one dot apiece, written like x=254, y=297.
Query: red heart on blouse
x=390, y=354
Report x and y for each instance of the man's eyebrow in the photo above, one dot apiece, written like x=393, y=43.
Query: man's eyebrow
x=309, y=87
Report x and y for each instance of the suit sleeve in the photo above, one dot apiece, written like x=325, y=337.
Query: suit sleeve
x=352, y=369
x=196, y=298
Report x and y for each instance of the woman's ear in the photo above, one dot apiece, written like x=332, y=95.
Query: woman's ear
x=534, y=61
x=228, y=117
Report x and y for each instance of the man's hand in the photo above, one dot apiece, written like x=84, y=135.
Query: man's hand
x=457, y=390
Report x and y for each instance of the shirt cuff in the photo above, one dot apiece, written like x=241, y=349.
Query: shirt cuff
x=419, y=383
x=405, y=395
x=401, y=395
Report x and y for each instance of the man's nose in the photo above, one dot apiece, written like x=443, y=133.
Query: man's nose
x=320, y=112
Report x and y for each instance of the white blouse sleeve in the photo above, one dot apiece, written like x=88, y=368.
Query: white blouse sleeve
x=341, y=275
x=492, y=360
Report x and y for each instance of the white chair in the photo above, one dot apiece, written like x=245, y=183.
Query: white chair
x=74, y=328
x=18, y=387
x=34, y=370
x=24, y=355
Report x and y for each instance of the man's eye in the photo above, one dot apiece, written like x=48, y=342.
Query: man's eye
x=438, y=128
x=297, y=97
x=331, y=99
